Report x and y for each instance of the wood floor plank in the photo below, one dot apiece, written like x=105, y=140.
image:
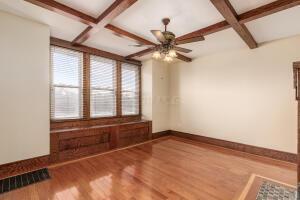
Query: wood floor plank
x=164, y=169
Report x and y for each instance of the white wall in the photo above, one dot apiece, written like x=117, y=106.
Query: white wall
x=160, y=111
x=243, y=96
x=155, y=94
x=24, y=86
x=147, y=90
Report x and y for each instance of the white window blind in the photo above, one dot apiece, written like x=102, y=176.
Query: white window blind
x=66, y=83
x=102, y=87
x=130, y=89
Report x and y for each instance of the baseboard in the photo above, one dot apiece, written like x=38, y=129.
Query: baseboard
x=161, y=134
x=260, y=151
x=19, y=167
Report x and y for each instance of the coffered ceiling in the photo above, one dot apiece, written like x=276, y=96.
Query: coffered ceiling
x=144, y=15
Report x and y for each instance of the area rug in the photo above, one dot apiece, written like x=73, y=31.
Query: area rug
x=263, y=188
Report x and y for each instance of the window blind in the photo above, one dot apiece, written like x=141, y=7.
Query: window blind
x=102, y=87
x=66, y=83
x=130, y=89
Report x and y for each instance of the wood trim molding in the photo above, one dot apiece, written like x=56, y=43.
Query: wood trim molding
x=161, y=134
x=228, y=12
x=86, y=86
x=77, y=123
x=93, y=51
x=19, y=167
x=260, y=151
x=296, y=71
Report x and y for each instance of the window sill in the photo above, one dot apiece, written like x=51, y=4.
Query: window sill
x=85, y=122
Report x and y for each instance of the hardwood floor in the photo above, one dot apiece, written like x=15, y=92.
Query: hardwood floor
x=168, y=168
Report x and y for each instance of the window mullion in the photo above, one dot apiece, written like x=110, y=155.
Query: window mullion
x=86, y=86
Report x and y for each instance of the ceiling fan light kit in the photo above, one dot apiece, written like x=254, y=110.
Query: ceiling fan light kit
x=168, y=58
x=167, y=49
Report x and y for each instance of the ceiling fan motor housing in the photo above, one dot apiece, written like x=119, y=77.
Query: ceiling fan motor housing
x=169, y=36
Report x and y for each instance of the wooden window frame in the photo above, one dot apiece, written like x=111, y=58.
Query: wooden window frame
x=80, y=88
x=86, y=117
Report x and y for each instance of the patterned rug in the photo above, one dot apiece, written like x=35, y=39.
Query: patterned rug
x=264, y=188
x=272, y=191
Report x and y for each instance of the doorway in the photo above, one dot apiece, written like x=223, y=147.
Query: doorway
x=296, y=69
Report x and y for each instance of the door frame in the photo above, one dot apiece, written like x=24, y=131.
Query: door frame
x=296, y=70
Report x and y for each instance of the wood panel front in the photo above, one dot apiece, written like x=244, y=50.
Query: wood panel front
x=72, y=143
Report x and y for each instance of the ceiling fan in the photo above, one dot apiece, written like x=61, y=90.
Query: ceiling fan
x=168, y=48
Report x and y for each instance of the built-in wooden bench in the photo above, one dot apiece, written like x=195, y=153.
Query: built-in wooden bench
x=75, y=142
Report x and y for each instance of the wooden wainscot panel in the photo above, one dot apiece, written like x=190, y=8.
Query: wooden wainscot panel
x=83, y=151
x=80, y=142
x=72, y=143
x=134, y=133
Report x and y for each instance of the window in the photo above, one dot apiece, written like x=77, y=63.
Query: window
x=102, y=87
x=85, y=86
x=66, y=83
x=130, y=89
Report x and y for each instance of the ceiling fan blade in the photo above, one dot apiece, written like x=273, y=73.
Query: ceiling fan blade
x=184, y=50
x=141, y=45
x=159, y=35
x=141, y=53
x=190, y=40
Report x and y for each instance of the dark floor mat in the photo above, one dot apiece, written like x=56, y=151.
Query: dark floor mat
x=23, y=180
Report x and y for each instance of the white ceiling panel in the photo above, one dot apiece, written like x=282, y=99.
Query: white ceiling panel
x=60, y=26
x=244, y=6
x=91, y=7
x=185, y=15
x=145, y=57
x=106, y=40
x=145, y=15
x=218, y=42
x=276, y=26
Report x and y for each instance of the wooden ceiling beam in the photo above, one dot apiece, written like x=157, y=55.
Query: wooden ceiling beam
x=248, y=16
x=267, y=9
x=105, y=18
x=206, y=31
x=65, y=11
x=228, y=12
x=122, y=33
